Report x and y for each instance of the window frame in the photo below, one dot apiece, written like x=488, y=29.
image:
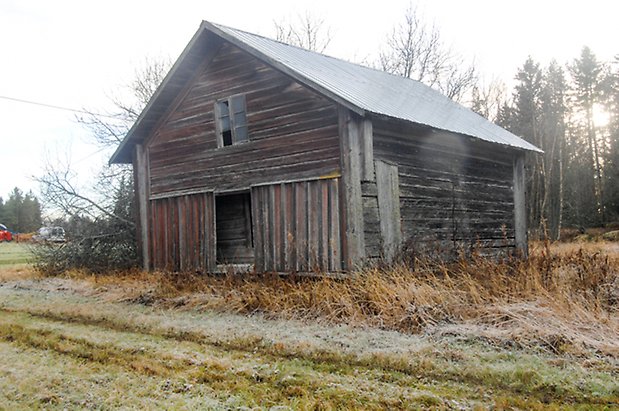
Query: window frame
x=231, y=117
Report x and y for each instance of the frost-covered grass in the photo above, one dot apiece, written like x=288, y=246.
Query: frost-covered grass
x=71, y=344
x=536, y=334
x=564, y=299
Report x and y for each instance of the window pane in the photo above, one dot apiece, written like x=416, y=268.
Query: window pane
x=227, y=138
x=240, y=134
x=237, y=104
x=239, y=119
x=224, y=122
x=224, y=115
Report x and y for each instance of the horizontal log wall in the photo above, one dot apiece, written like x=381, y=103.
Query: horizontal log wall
x=456, y=194
x=182, y=234
x=297, y=226
x=293, y=132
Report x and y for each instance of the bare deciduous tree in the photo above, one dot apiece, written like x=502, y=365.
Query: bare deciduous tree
x=109, y=129
x=306, y=31
x=105, y=236
x=487, y=98
x=415, y=50
x=61, y=190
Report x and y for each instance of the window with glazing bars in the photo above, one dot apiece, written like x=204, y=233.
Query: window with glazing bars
x=231, y=121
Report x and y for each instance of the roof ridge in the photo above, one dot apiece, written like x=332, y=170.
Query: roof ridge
x=358, y=64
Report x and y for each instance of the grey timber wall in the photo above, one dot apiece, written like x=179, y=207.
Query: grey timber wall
x=293, y=136
x=293, y=132
x=455, y=194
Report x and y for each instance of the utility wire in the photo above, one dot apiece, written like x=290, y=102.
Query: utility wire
x=19, y=100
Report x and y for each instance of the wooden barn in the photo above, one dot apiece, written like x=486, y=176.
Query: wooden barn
x=259, y=155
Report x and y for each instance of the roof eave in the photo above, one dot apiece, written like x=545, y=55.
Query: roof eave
x=122, y=155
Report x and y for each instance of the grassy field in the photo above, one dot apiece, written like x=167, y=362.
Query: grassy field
x=14, y=253
x=154, y=341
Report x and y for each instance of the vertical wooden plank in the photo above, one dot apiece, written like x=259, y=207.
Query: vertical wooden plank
x=323, y=186
x=171, y=233
x=278, y=246
x=164, y=233
x=197, y=224
x=349, y=131
x=267, y=207
x=175, y=234
x=260, y=230
x=520, y=215
x=191, y=223
x=387, y=183
x=142, y=193
x=171, y=203
x=344, y=254
x=182, y=244
x=153, y=234
x=200, y=257
x=204, y=249
x=335, y=264
x=161, y=250
x=301, y=223
x=314, y=219
x=211, y=233
x=288, y=225
x=258, y=224
x=367, y=151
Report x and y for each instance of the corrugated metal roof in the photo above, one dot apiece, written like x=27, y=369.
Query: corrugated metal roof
x=358, y=88
x=374, y=91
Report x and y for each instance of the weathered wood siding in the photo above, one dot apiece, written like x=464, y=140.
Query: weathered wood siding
x=297, y=226
x=371, y=220
x=455, y=193
x=293, y=132
x=182, y=233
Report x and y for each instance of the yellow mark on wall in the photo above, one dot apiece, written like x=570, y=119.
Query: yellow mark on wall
x=333, y=174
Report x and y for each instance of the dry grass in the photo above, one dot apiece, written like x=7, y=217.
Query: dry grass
x=564, y=298
x=16, y=272
x=128, y=356
x=536, y=334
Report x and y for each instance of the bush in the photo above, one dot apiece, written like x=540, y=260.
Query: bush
x=100, y=247
x=96, y=245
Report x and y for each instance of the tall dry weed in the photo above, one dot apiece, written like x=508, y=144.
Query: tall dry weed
x=556, y=296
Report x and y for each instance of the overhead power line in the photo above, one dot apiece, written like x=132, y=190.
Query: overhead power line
x=36, y=103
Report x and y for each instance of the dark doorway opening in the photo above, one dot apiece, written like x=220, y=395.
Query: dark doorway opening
x=233, y=225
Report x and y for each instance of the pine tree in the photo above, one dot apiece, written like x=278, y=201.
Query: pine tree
x=611, y=180
x=29, y=214
x=587, y=91
x=12, y=207
x=21, y=213
x=553, y=131
x=2, y=211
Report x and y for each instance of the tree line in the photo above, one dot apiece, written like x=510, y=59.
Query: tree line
x=571, y=112
x=21, y=213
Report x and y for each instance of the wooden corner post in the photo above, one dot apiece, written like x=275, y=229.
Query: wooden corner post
x=141, y=180
x=388, y=187
x=520, y=211
x=350, y=129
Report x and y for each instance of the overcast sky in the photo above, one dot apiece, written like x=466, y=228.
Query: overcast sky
x=77, y=53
